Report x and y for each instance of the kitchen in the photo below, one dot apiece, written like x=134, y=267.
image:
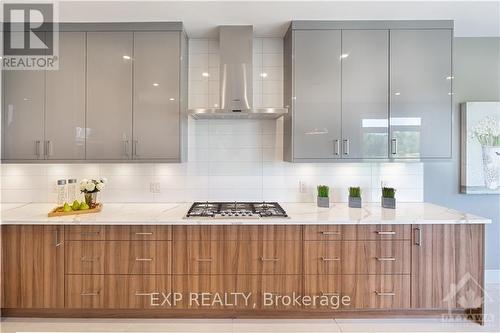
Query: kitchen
x=230, y=158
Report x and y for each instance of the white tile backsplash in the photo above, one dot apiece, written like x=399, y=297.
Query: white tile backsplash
x=228, y=160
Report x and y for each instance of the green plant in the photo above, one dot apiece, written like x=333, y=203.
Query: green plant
x=388, y=192
x=323, y=191
x=354, y=192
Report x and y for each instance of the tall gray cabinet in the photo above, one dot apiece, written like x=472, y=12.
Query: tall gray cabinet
x=44, y=111
x=119, y=95
x=367, y=90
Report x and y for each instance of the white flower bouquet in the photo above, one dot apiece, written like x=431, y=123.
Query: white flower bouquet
x=90, y=188
x=92, y=185
x=487, y=132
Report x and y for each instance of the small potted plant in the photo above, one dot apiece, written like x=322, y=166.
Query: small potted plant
x=90, y=188
x=354, y=197
x=388, y=199
x=323, y=196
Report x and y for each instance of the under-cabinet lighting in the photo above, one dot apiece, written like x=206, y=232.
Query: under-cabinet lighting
x=343, y=56
x=126, y=57
x=205, y=74
x=156, y=84
x=263, y=75
x=171, y=99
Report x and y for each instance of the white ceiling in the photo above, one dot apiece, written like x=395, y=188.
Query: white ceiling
x=472, y=18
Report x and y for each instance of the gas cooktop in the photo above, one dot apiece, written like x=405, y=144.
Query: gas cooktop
x=240, y=210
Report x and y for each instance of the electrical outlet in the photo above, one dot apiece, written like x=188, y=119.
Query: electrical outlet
x=302, y=186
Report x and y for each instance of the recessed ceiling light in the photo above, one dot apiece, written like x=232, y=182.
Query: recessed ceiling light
x=205, y=74
x=263, y=74
x=156, y=84
x=345, y=55
x=126, y=57
x=216, y=105
x=397, y=93
x=171, y=99
x=450, y=93
x=450, y=77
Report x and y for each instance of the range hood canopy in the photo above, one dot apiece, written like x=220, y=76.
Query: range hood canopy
x=236, y=93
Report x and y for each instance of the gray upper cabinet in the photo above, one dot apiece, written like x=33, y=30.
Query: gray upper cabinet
x=421, y=93
x=65, y=101
x=365, y=105
x=316, y=94
x=109, y=95
x=156, y=112
x=23, y=112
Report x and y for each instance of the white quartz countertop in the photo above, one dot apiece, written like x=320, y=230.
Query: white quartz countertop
x=299, y=213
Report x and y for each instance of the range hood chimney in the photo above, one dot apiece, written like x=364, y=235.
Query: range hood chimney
x=236, y=93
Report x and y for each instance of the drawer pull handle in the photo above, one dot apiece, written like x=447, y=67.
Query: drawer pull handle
x=330, y=259
x=143, y=233
x=269, y=259
x=95, y=293
x=204, y=259
x=90, y=233
x=329, y=233
x=137, y=293
x=143, y=259
x=386, y=258
x=89, y=259
x=379, y=293
x=386, y=232
x=330, y=294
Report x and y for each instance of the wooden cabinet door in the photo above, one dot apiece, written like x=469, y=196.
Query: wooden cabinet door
x=32, y=266
x=447, y=266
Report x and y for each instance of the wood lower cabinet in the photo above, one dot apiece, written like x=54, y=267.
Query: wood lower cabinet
x=447, y=266
x=377, y=291
x=114, y=291
x=32, y=266
x=94, y=270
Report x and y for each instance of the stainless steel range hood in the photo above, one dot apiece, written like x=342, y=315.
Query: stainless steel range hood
x=236, y=93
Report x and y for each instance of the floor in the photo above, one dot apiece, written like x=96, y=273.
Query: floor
x=11, y=325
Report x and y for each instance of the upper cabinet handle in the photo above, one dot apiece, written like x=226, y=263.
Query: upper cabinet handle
x=346, y=147
x=136, y=142
x=336, y=147
x=37, y=148
x=126, y=148
x=394, y=146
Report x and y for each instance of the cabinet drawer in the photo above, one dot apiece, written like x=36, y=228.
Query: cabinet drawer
x=322, y=257
x=358, y=232
x=323, y=232
x=376, y=291
x=254, y=286
x=114, y=291
x=237, y=257
x=377, y=232
x=376, y=257
x=118, y=257
x=323, y=285
x=241, y=233
x=139, y=232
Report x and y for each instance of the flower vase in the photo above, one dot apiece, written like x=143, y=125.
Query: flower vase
x=491, y=167
x=91, y=199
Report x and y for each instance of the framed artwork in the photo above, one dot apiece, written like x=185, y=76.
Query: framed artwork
x=480, y=148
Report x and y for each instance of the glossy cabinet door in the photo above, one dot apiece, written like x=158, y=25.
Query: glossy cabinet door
x=23, y=109
x=421, y=93
x=156, y=115
x=365, y=105
x=65, y=101
x=109, y=95
x=317, y=94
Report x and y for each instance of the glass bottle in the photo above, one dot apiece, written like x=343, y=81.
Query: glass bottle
x=72, y=188
x=61, y=191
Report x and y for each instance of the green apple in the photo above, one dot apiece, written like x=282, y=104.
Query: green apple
x=84, y=206
x=66, y=207
x=75, y=205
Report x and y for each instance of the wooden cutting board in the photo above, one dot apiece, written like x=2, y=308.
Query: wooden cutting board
x=58, y=211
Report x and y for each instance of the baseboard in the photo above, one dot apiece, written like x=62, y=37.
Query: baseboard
x=492, y=276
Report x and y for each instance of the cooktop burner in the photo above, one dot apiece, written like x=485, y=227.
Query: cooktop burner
x=240, y=210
